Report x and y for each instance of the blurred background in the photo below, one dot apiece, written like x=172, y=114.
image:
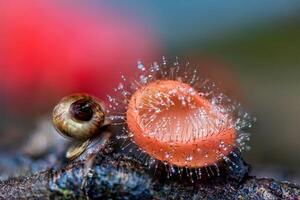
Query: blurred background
x=49, y=49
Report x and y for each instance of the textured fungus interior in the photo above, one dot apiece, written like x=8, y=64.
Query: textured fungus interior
x=172, y=123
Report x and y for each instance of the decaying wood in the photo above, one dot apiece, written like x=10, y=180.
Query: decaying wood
x=114, y=175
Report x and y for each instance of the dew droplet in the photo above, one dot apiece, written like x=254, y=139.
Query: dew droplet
x=189, y=158
x=143, y=79
x=120, y=86
x=141, y=66
x=167, y=155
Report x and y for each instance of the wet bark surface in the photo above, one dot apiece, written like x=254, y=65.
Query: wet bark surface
x=112, y=174
x=120, y=177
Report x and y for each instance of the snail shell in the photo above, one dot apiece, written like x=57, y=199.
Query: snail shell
x=79, y=116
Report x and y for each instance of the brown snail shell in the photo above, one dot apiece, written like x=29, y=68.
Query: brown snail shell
x=79, y=116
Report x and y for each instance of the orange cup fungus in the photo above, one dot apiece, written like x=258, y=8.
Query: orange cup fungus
x=173, y=123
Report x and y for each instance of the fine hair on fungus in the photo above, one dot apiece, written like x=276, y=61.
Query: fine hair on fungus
x=170, y=115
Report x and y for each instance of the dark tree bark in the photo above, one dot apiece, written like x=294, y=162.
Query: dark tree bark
x=114, y=175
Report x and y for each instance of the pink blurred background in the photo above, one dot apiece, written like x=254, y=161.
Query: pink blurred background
x=48, y=50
